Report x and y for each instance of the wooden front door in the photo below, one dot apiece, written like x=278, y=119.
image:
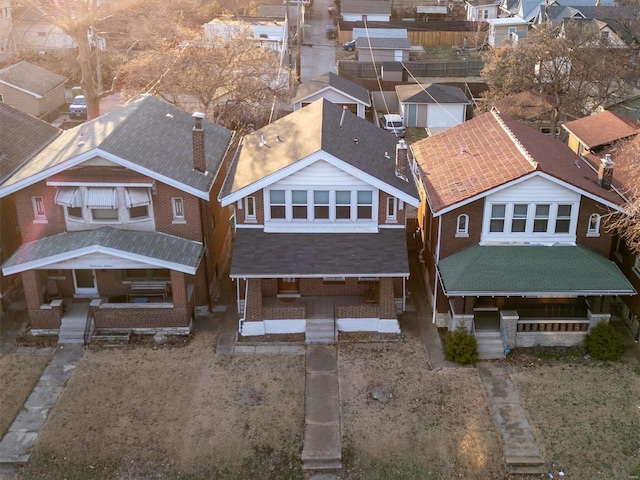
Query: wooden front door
x=288, y=286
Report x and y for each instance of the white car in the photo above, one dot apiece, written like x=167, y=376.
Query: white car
x=392, y=122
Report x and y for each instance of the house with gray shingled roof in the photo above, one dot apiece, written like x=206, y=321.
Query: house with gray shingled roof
x=334, y=88
x=383, y=49
x=32, y=89
x=321, y=198
x=110, y=215
x=512, y=242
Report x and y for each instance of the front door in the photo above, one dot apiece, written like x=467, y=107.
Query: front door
x=85, y=282
x=412, y=115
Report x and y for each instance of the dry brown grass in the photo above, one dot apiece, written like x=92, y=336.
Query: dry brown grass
x=18, y=375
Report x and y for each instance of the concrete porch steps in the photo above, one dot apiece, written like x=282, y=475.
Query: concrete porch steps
x=489, y=345
x=320, y=331
x=73, y=324
x=526, y=465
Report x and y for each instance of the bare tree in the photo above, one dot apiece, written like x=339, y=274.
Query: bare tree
x=234, y=80
x=572, y=67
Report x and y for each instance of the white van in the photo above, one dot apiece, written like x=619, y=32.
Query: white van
x=392, y=122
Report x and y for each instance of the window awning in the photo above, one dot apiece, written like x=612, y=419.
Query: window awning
x=68, y=197
x=532, y=271
x=101, y=198
x=137, y=197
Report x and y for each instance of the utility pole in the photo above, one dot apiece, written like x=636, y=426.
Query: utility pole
x=298, y=42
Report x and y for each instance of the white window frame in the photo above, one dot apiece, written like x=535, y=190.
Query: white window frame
x=564, y=218
x=304, y=205
x=177, y=210
x=392, y=209
x=363, y=205
x=503, y=218
x=39, y=211
x=593, y=228
x=250, y=206
x=462, y=225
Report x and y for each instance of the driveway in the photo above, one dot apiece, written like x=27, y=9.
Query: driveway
x=318, y=55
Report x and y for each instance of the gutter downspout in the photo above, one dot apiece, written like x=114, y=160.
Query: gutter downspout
x=435, y=280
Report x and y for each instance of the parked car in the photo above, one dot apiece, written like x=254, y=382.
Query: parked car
x=78, y=107
x=392, y=122
x=350, y=45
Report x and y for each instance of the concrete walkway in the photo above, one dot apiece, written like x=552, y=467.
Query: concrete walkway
x=520, y=448
x=22, y=434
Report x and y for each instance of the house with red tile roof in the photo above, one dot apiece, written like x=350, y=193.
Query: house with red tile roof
x=320, y=200
x=512, y=244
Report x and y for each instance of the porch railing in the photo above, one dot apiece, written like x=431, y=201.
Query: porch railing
x=89, y=327
x=553, y=325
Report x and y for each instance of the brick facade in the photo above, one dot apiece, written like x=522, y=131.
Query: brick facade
x=601, y=243
x=450, y=243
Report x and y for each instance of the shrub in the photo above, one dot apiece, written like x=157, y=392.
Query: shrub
x=461, y=347
x=604, y=342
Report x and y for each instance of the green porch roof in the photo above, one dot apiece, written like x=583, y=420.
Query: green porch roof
x=532, y=270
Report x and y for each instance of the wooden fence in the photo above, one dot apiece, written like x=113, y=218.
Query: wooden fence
x=454, y=68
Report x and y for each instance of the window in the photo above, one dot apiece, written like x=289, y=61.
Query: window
x=334, y=281
x=250, y=208
x=541, y=221
x=365, y=205
x=138, y=201
x=593, y=229
x=321, y=204
x=39, y=214
x=299, y=202
x=497, y=217
x=177, y=208
x=462, y=225
x=343, y=205
x=102, y=202
x=563, y=219
x=277, y=203
x=69, y=197
x=74, y=213
x=519, y=219
x=391, y=208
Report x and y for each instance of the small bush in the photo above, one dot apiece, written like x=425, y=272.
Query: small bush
x=604, y=342
x=461, y=347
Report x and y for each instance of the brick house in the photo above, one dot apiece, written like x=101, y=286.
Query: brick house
x=118, y=212
x=512, y=244
x=320, y=199
x=595, y=138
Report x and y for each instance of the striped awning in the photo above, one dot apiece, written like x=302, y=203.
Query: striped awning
x=101, y=198
x=68, y=197
x=137, y=197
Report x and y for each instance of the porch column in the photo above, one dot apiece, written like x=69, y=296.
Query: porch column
x=253, y=305
x=32, y=289
x=179, y=289
x=509, y=326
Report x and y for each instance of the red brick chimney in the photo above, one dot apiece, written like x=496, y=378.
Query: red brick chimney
x=605, y=172
x=402, y=159
x=199, y=159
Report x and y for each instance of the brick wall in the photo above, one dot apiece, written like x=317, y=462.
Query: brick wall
x=163, y=213
x=600, y=244
x=382, y=210
x=240, y=213
x=361, y=310
x=48, y=318
x=386, y=299
x=253, y=308
x=451, y=244
x=55, y=223
x=283, y=313
x=142, y=316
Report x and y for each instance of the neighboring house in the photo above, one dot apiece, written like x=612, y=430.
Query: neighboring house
x=598, y=132
x=267, y=32
x=433, y=106
x=512, y=244
x=365, y=10
x=334, y=88
x=596, y=137
x=7, y=45
x=378, y=50
x=34, y=30
x=555, y=13
x=530, y=10
x=33, y=89
x=482, y=10
x=503, y=30
x=433, y=12
x=21, y=137
x=119, y=210
x=320, y=199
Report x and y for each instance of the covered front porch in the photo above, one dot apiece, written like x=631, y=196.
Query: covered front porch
x=352, y=282
x=528, y=296
x=143, y=282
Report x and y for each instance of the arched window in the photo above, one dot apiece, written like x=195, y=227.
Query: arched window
x=462, y=225
x=593, y=229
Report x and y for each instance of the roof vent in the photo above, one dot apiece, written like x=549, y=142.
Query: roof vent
x=344, y=110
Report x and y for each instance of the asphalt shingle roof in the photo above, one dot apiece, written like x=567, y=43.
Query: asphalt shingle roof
x=335, y=82
x=149, y=133
x=366, y=7
x=430, y=93
x=320, y=126
x=31, y=78
x=492, y=150
x=151, y=245
x=602, y=128
x=21, y=137
x=383, y=43
x=260, y=254
x=519, y=269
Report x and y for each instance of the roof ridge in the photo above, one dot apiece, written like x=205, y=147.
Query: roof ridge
x=514, y=139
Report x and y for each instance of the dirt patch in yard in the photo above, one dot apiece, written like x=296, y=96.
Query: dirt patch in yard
x=18, y=375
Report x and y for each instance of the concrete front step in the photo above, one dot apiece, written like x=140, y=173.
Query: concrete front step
x=526, y=465
x=322, y=465
x=320, y=331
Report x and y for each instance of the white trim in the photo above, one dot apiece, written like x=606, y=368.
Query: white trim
x=37, y=201
x=302, y=163
x=594, y=232
x=175, y=216
x=247, y=216
x=394, y=216
x=340, y=92
x=462, y=232
x=337, y=274
x=515, y=182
